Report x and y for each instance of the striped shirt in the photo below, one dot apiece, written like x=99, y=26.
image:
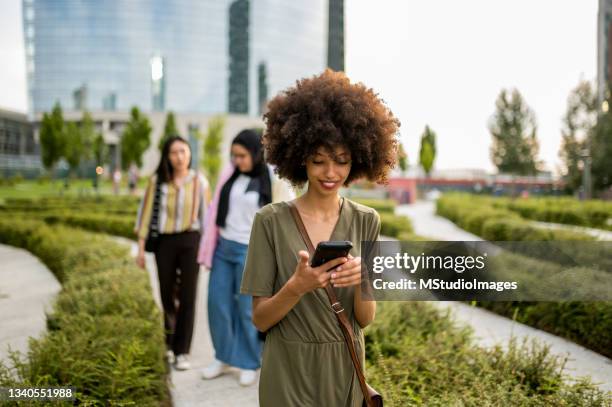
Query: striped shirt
x=180, y=208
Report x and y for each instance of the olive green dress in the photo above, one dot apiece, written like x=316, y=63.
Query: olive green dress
x=305, y=359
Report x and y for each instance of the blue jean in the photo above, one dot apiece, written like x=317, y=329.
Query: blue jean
x=233, y=334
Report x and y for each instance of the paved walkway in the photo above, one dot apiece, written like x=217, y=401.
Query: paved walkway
x=426, y=223
x=27, y=290
x=188, y=389
x=490, y=328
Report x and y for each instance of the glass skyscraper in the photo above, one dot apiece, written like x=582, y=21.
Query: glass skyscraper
x=202, y=56
x=604, y=51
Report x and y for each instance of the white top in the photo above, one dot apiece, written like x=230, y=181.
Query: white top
x=241, y=212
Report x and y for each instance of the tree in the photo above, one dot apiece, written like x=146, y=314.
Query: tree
x=52, y=140
x=136, y=139
x=99, y=150
x=211, y=159
x=169, y=130
x=513, y=128
x=427, y=152
x=578, y=123
x=402, y=158
x=74, y=146
x=88, y=135
x=601, y=152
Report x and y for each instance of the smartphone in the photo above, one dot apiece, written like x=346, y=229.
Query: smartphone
x=330, y=250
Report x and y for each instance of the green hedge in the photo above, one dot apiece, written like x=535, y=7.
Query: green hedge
x=381, y=205
x=394, y=225
x=105, y=335
x=565, y=210
x=115, y=216
x=118, y=225
x=118, y=217
x=481, y=217
x=491, y=219
x=123, y=205
x=592, y=213
x=391, y=225
x=417, y=356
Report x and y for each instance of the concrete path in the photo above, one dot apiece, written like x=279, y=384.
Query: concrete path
x=426, y=223
x=187, y=388
x=27, y=291
x=490, y=328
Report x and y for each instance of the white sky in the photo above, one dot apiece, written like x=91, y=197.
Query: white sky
x=435, y=62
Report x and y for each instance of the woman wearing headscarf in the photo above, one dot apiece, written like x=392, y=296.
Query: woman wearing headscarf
x=244, y=187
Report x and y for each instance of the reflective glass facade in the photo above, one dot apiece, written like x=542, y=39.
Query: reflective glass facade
x=109, y=46
x=169, y=54
x=335, y=49
x=604, y=51
x=290, y=39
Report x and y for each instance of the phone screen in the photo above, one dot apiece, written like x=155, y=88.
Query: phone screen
x=330, y=250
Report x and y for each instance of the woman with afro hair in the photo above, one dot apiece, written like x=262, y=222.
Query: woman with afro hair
x=325, y=132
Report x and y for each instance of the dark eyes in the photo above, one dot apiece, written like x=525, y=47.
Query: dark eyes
x=337, y=162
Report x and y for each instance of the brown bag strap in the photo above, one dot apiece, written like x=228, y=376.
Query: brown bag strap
x=347, y=329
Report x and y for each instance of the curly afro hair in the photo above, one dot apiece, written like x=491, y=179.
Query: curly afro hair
x=328, y=111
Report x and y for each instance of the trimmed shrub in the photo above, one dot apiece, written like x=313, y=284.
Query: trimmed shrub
x=119, y=225
x=576, y=321
x=105, y=335
x=566, y=210
x=417, y=356
x=381, y=205
x=487, y=218
x=496, y=229
x=393, y=225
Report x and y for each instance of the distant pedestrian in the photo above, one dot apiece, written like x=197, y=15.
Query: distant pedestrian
x=174, y=204
x=132, y=178
x=244, y=187
x=116, y=181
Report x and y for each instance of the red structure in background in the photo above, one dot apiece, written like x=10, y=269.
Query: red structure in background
x=406, y=190
x=403, y=190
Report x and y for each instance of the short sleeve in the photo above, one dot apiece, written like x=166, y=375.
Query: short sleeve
x=260, y=265
x=374, y=228
x=371, y=235
x=370, y=249
x=143, y=218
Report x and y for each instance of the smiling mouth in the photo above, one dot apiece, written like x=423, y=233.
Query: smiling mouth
x=329, y=184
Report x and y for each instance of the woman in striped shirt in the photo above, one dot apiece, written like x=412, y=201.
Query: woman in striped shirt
x=183, y=197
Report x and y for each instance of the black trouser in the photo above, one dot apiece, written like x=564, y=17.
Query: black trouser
x=178, y=251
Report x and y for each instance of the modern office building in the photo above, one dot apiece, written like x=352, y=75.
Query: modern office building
x=335, y=37
x=604, y=50
x=18, y=149
x=238, y=96
x=156, y=54
x=197, y=58
x=202, y=56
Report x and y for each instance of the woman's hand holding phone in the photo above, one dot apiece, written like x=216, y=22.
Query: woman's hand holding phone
x=347, y=274
x=307, y=278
